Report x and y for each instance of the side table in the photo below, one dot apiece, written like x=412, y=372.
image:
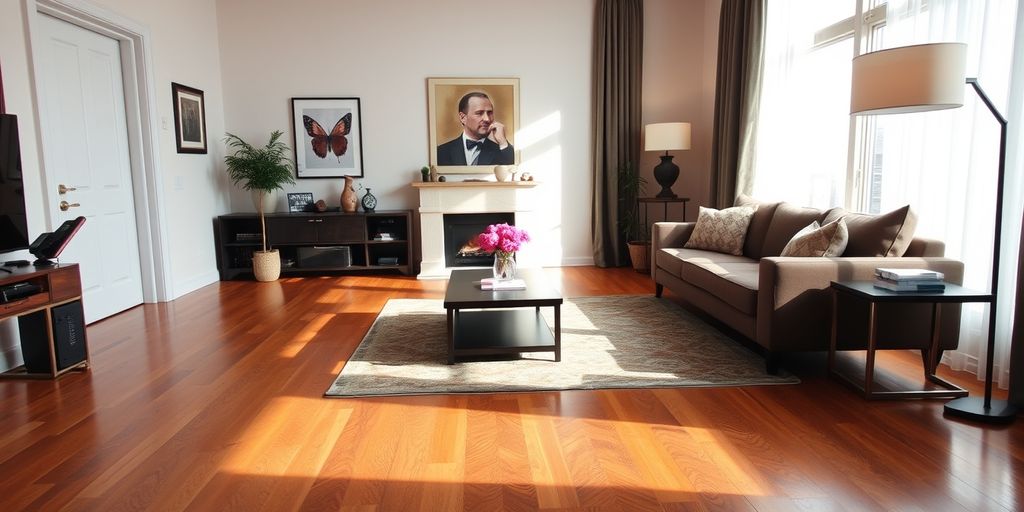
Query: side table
x=865, y=290
x=646, y=201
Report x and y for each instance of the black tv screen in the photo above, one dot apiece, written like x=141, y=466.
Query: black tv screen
x=13, y=224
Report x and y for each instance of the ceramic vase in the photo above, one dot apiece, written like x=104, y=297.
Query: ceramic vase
x=268, y=197
x=504, y=265
x=348, y=196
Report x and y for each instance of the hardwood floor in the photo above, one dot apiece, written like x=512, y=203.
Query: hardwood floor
x=213, y=402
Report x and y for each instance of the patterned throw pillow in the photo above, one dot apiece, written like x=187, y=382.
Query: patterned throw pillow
x=819, y=241
x=721, y=230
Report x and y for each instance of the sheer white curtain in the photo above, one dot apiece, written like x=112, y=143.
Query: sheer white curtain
x=804, y=119
x=944, y=163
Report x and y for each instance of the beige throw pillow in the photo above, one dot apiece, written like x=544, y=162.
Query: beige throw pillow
x=721, y=230
x=819, y=241
x=888, y=234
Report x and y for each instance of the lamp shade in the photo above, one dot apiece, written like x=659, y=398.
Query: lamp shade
x=908, y=79
x=666, y=136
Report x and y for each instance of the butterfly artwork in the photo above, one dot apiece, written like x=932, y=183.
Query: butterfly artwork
x=336, y=141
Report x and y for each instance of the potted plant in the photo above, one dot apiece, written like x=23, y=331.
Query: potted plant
x=636, y=231
x=261, y=170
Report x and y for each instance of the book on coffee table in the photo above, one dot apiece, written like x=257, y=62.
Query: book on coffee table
x=491, y=283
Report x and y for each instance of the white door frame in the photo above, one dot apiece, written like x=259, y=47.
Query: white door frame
x=143, y=142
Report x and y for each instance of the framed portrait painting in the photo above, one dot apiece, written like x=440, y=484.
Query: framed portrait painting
x=189, y=119
x=472, y=123
x=328, y=137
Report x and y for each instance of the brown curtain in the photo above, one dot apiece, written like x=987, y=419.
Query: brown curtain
x=737, y=93
x=1017, y=336
x=618, y=70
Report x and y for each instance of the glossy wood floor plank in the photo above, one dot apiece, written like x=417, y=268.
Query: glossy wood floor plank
x=214, y=402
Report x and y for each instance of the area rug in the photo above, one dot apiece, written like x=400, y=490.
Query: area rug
x=607, y=342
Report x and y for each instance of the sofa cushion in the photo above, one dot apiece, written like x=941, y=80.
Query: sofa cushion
x=759, y=223
x=721, y=230
x=887, y=234
x=786, y=222
x=819, y=241
x=671, y=259
x=734, y=283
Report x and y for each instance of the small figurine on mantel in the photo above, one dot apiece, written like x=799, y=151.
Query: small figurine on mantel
x=433, y=174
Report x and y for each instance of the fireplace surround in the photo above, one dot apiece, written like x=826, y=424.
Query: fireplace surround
x=516, y=198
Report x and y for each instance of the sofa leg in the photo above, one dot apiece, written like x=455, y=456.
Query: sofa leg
x=658, y=288
x=771, y=363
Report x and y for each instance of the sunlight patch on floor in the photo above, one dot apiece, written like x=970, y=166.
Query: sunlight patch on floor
x=297, y=343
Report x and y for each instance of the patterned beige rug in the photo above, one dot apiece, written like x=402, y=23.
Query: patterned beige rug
x=607, y=342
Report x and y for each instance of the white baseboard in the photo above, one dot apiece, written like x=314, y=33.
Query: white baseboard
x=578, y=261
x=190, y=285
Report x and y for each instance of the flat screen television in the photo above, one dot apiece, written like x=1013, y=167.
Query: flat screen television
x=13, y=223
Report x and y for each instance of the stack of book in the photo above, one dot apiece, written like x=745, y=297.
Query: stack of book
x=909, y=280
x=493, y=284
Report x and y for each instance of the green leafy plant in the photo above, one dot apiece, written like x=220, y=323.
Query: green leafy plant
x=259, y=169
x=631, y=187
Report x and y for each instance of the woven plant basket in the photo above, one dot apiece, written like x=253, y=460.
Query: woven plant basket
x=640, y=256
x=266, y=265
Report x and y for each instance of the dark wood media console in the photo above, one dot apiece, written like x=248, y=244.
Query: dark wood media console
x=59, y=286
x=354, y=239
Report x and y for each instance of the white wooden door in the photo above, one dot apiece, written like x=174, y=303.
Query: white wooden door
x=85, y=144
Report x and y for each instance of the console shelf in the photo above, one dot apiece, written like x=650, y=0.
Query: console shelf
x=237, y=236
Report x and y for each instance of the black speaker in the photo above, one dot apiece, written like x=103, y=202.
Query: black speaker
x=68, y=338
x=32, y=329
x=69, y=334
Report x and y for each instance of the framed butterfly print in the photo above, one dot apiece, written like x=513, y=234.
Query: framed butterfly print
x=189, y=119
x=328, y=137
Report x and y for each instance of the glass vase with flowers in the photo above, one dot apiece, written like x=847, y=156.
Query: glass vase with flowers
x=504, y=241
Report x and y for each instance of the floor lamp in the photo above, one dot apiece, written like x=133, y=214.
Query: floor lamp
x=927, y=77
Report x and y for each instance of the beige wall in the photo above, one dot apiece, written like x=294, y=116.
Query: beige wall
x=680, y=53
x=383, y=51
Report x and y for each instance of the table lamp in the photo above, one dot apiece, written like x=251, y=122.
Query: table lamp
x=921, y=78
x=666, y=137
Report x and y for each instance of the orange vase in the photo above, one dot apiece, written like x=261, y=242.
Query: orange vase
x=348, y=196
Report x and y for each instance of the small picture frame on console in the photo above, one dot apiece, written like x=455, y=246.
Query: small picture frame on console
x=300, y=202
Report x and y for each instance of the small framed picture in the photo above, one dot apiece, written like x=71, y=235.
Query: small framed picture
x=189, y=119
x=328, y=137
x=300, y=202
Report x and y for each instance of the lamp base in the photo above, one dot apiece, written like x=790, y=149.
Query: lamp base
x=665, y=174
x=973, y=408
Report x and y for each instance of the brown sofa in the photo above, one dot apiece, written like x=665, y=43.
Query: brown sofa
x=784, y=303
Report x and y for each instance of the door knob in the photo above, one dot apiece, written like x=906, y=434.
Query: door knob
x=63, y=189
x=64, y=205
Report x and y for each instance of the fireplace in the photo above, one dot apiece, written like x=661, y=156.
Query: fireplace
x=460, y=232
x=515, y=199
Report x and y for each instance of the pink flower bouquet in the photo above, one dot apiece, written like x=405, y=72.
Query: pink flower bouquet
x=503, y=238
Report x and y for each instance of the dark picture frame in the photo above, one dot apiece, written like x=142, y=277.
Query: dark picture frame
x=327, y=137
x=300, y=202
x=189, y=119
x=443, y=119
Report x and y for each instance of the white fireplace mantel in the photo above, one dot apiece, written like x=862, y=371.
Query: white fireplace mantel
x=439, y=198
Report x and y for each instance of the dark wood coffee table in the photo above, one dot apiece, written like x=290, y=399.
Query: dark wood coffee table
x=494, y=331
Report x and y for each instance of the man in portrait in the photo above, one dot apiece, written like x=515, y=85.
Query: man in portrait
x=483, y=140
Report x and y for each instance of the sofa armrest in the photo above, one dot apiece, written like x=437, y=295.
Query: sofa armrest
x=668, y=234
x=793, y=298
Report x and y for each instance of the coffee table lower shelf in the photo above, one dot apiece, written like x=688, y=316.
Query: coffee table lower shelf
x=497, y=332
